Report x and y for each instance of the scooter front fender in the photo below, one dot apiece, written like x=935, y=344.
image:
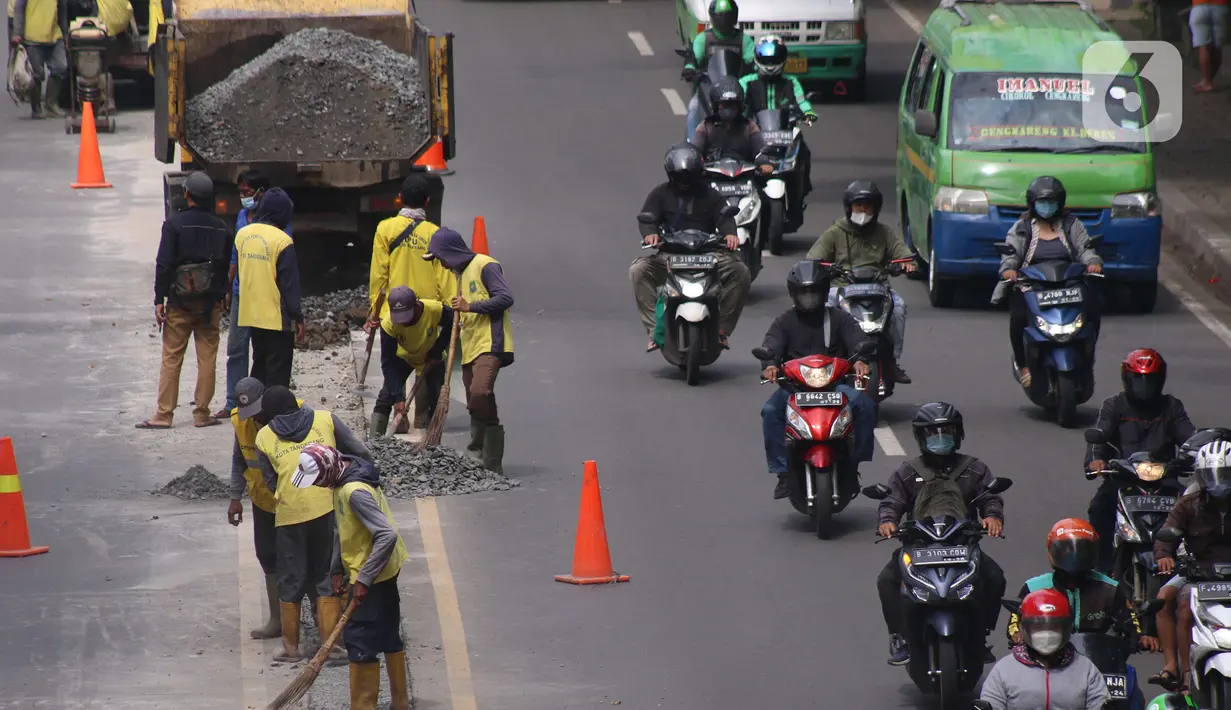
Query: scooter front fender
x=820, y=456
x=775, y=189
x=943, y=622
x=692, y=311
x=1064, y=359
x=1219, y=663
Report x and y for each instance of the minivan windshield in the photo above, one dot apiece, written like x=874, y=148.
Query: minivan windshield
x=1007, y=112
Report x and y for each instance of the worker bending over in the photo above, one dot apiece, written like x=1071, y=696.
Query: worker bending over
x=413, y=338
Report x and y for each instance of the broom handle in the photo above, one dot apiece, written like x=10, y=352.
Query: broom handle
x=453, y=336
x=367, y=358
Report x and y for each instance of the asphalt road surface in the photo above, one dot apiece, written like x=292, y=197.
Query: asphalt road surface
x=733, y=603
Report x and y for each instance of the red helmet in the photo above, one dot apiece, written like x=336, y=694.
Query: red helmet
x=1072, y=546
x=1046, y=621
x=1144, y=372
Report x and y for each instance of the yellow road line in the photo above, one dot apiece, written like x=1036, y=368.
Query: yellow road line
x=457, y=658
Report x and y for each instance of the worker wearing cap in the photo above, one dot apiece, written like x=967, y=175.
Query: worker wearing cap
x=369, y=555
x=302, y=520
x=413, y=337
x=486, y=336
x=247, y=419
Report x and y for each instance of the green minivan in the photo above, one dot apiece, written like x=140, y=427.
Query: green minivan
x=993, y=99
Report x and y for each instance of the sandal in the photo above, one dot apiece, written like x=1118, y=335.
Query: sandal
x=651, y=347
x=1169, y=680
x=147, y=424
x=723, y=342
x=1024, y=377
x=207, y=422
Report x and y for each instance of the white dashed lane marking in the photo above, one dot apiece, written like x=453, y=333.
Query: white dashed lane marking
x=641, y=43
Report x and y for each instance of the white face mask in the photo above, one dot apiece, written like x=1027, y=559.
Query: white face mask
x=860, y=218
x=1046, y=642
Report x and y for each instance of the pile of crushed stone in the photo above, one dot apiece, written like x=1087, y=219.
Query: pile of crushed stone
x=328, y=319
x=318, y=94
x=437, y=471
x=197, y=484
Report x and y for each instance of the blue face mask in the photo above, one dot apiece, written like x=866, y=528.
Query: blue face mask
x=248, y=202
x=1046, y=208
x=940, y=444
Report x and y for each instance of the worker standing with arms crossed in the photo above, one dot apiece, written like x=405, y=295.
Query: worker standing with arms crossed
x=305, y=528
x=269, y=289
x=369, y=556
x=413, y=338
x=486, y=338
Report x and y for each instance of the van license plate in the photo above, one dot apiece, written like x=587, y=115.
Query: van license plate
x=818, y=399
x=1117, y=686
x=1059, y=297
x=797, y=65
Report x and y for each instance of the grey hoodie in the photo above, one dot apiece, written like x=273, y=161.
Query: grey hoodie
x=1019, y=682
x=365, y=507
x=448, y=246
x=295, y=426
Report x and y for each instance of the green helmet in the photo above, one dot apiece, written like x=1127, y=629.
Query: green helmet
x=1171, y=701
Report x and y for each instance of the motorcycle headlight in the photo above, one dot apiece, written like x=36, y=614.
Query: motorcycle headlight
x=960, y=200
x=1222, y=637
x=1208, y=619
x=816, y=377
x=1059, y=331
x=920, y=594
x=1134, y=205
x=748, y=208
x=1150, y=471
x=1126, y=529
x=798, y=424
x=840, y=424
x=965, y=591
x=691, y=288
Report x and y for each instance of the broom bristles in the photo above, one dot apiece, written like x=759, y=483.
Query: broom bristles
x=299, y=687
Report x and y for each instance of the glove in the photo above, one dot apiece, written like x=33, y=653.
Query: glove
x=810, y=117
x=688, y=74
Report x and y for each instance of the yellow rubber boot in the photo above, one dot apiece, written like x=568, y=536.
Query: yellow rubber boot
x=328, y=612
x=364, y=685
x=290, y=633
x=395, y=666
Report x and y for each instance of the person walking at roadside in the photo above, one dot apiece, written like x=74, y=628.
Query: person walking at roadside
x=486, y=338
x=189, y=288
x=413, y=338
x=370, y=554
x=1208, y=23
x=252, y=186
x=36, y=24
x=303, y=521
x=269, y=289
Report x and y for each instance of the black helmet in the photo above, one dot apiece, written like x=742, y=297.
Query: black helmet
x=724, y=15
x=684, y=165
x=1050, y=192
x=200, y=188
x=727, y=90
x=935, y=421
x=808, y=284
x=863, y=191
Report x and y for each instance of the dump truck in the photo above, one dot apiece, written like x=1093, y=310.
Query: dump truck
x=340, y=197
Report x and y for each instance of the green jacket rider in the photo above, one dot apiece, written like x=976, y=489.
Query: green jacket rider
x=724, y=31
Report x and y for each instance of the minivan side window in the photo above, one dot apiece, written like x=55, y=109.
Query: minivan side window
x=929, y=83
x=918, y=76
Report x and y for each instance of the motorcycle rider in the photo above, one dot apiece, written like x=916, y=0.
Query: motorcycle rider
x=686, y=201
x=728, y=133
x=724, y=33
x=812, y=328
x=940, y=481
x=1102, y=603
x=769, y=88
x=1045, y=671
x=1140, y=418
x=1201, y=517
x=1047, y=232
x=861, y=239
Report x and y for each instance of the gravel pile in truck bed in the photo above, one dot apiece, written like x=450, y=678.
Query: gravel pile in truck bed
x=328, y=319
x=437, y=471
x=197, y=484
x=319, y=94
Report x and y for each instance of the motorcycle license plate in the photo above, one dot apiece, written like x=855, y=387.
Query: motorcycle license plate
x=692, y=261
x=1149, y=504
x=726, y=189
x=865, y=290
x=776, y=137
x=818, y=399
x=1214, y=591
x=796, y=65
x=925, y=556
x=1059, y=297
x=1117, y=686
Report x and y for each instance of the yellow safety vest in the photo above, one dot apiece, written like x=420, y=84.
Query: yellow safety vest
x=297, y=505
x=116, y=15
x=404, y=266
x=481, y=332
x=414, y=341
x=356, y=540
x=258, y=247
x=245, y=434
x=42, y=22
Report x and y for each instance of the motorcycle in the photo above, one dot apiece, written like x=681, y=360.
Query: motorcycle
x=870, y=303
x=819, y=432
x=692, y=290
x=779, y=140
x=736, y=181
x=939, y=564
x=1210, y=601
x=723, y=62
x=1059, y=349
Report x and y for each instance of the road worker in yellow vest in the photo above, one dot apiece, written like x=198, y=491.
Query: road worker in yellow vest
x=414, y=335
x=269, y=288
x=302, y=520
x=486, y=338
x=369, y=556
x=36, y=24
x=397, y=260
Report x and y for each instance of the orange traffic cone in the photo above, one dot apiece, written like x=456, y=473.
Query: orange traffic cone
x=90, y=161
x=478, y=243
x=591, y=558
x=433, y=159
x=14, y=533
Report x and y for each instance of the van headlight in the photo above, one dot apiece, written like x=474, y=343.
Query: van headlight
x=1134, y=205
x=1059, y=331
x=840, y=30
x=961, y=200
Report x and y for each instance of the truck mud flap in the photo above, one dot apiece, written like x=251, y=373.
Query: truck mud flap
x=173, y=192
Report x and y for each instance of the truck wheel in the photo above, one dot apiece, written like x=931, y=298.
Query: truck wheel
x=1142, y=296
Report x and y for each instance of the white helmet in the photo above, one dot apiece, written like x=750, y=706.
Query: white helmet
x=1213, y=468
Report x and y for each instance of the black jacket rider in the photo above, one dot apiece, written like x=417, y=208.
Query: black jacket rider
x=794, y=335
x=718, y=139
x=678, y=211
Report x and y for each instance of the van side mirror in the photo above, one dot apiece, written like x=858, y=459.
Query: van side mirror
x=647, y=218
x=999, y=485
x=1095, y=436
x=878, y=492
x=729, y=211
x=762, y=354
x=1169, y=535
x=1005, y=250
x=925, y=123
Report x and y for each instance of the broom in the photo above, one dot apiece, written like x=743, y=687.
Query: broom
x=367, y=358
x=400, y=425
x=436, y=427
x=307, y=676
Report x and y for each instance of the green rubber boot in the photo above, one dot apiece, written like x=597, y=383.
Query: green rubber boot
x=380, y=423
x=493, y=448
x=475, y=448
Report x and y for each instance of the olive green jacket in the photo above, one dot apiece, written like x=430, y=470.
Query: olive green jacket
x=875, y=245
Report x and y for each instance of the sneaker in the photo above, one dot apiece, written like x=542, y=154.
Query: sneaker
x=781, y=490
x=900, y=376
x=899, y=653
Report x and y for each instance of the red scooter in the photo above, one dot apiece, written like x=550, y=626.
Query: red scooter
x=819, y=428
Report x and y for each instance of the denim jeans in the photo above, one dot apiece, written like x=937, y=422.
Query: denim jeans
x=773, y=424
x=238, y=340
x=897, y=321
x=695, y=115
x=48, y=59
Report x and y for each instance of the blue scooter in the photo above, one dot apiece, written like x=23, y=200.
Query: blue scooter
x=1059, y=338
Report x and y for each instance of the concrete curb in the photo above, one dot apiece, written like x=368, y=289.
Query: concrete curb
x=1204, y=247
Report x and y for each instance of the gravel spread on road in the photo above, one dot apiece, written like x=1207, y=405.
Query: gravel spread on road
x=197, y=484
x=328, y=319
x=437, y=471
